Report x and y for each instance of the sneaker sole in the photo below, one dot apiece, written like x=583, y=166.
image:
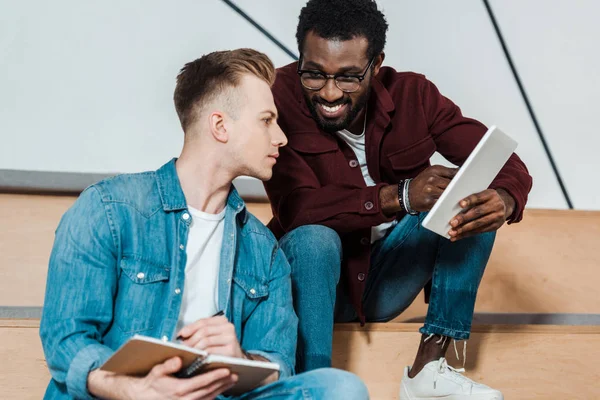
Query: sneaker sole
x=404, y=396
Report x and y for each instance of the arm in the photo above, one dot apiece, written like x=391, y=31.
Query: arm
x=159, y=384
x=80, y=288
x=271, y=331
x=298, y=198
x=269, y=334
x=456, y=136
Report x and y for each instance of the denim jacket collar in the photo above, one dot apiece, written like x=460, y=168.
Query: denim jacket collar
x=173, y=199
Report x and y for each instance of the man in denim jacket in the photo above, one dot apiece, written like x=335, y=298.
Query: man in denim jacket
x=159, y=253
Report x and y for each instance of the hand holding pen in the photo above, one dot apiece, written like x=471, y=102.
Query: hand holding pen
x=216, y=335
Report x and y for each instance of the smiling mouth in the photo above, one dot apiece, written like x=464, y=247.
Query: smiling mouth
x=332, y=112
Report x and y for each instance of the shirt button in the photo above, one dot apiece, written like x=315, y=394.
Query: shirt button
x=361, y=277
x=141, y=275
x=165, y=338
x=365, y=241
x=252, y=291
x=181, y=247
x=353, y=163
x=177, y=291
x=186, y=216
x=369, y=205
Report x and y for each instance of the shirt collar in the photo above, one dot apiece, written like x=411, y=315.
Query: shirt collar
x=173, y=199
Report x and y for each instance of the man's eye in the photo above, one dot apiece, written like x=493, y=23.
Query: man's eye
x=313, y=75
x=268, y=120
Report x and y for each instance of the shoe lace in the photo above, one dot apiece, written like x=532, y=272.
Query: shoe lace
x=454, y=373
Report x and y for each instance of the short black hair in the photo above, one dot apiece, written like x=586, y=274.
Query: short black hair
x=343, y=20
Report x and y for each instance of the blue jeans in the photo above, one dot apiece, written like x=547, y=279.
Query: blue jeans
x=401, y=265
x=325, y=383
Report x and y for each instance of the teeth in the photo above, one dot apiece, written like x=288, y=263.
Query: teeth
x=331, y=109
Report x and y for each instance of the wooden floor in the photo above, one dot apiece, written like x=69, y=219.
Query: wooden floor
x=526, y=362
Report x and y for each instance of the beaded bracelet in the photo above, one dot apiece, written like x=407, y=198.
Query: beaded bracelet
x=403, y=198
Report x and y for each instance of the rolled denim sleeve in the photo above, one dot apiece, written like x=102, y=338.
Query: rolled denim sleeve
x=272, y=329
x=80, y=288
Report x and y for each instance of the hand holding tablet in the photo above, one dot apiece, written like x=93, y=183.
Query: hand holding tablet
x=470, y=184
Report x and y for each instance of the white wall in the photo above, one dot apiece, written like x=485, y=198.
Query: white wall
x=87, y=86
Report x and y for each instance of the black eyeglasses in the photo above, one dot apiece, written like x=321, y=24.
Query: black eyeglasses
x=316, y=80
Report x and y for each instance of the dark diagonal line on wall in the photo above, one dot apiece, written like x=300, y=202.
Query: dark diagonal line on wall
x=262, y=30
x=528, y=103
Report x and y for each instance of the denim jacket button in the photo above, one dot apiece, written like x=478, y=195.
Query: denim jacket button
x=252, y=291
x=177, y=291
x=165, y=338
x=141, y=275
x=186, y=216
x=181, y=247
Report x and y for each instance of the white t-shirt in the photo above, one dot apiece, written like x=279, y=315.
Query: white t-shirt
x=357, y=144
x=200, y=294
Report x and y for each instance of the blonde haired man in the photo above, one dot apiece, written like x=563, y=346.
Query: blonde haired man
x=159, y=253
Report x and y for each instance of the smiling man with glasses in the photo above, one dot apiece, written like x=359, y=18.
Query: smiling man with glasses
x=350, y=191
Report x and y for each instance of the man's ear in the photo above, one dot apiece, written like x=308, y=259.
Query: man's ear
x=378, y=63
x=218, y=128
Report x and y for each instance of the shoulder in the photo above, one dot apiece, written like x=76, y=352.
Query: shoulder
x=254, y=226
x=284, y=88
x=139, y=190
x=395, y=81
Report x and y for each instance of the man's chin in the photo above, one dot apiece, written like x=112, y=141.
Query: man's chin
x=332, y=125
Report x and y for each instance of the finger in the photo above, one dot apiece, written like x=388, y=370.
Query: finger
x=190, y=329
x=206, y=343
x=203, y=332
x=212, y=391
x=485, y=224
x=474, y=213
x=444, y=172
x=168, y=367
x=199, y=382
x=437, y=182
x=477, y=198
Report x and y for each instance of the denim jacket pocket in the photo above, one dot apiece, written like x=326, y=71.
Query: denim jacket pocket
x=249, y=291
x=143, y=283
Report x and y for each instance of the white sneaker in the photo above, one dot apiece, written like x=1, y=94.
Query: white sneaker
x=438, y=380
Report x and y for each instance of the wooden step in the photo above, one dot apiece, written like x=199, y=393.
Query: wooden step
x=526, y=362
x=546, y=264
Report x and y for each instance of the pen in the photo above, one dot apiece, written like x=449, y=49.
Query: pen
x=217, y=314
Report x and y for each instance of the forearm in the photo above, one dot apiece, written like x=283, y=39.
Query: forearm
x=110, y=386
x=388, y=200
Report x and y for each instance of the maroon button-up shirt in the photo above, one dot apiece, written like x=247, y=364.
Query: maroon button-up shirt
x=315, y=180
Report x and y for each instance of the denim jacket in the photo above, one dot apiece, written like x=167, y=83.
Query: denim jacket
x=117, y=269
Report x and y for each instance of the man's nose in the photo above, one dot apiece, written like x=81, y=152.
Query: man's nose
x=279, y=139
x=330, y=92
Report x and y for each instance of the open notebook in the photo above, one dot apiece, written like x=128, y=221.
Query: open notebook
x=141, y=353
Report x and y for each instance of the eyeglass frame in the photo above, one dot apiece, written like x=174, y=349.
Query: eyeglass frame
x=333, y=76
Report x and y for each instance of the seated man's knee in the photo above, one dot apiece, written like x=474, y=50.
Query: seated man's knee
x=317, y=242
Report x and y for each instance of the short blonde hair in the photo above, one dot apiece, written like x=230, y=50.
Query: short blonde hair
x=203, y=80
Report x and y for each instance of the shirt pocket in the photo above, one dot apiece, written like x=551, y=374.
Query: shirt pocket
x=409, y=161
x=142, y=295
x=321, y=152
x=249, y=291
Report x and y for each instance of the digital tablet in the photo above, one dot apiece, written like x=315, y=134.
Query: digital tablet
x=475, y=175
